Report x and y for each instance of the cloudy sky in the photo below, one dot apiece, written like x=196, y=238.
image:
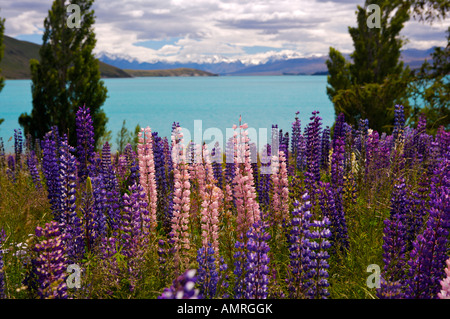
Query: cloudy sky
x=199, y=30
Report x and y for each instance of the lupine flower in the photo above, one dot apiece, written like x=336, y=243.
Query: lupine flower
x=318, y=234
x=445, y=283
x=2, y=154
x=65, y=212
x=181, y=199
x=2, y=272
x=183, y=287
x=257, y=263
x=147, y=172
x=51, y=262
x=135, y=226
x=85, y=140
x=208, y=274
x=395, y=242
x=280, y=197
x=244, y=190
x=93, y=212
x=313, y=154
x=32, y=163
x=399, y=123
x=210, y=196
x=216, y=157
x=50, y=147
x=109, y=185
x=265, y=182
x=18, y=146
x=295, y=136
x=427, y=258
x=132, y=166
x=298, y=247
x=324, y=160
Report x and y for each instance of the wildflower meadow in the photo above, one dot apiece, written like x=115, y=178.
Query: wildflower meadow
x=302, y=217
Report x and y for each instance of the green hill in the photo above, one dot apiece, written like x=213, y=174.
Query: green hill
x=15, y=63
x=170, y=72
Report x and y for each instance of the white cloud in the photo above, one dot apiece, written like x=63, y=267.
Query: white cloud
x=217, y=29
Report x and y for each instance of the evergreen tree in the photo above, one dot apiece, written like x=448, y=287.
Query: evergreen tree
x=376, y=79
x=2, y=49
x=67, y=75
x=431, y=89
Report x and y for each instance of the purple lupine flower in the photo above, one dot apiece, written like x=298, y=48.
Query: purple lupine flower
x=298, y=247
x=230, y=167
x=2, y=154
x=265, y=181
x=32, y=163
x=50, y=147
x=216, y=159
x=132, y=166
x=301, y=156
x=18, y=147
x=110, y=186
x=161, y=178
x=51, y=262
x=65, y=212
x=313, y=154
x=135, y=221
x=207, y=274
x=284, y=143
x=254, y=163
x=11, y=170
x=2, y=271
x=399, y=122
x=318, y=234
x=92, y=208
x=395, y=244
x=427, y=258
x=324, y=160
x=330, y=201
x=85, y=140
x=257, y=263
x=183, y=287
x=239, y=270
x=339, y=131
x=295, y=136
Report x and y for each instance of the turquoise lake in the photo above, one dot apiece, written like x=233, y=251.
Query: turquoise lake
x=215, y=101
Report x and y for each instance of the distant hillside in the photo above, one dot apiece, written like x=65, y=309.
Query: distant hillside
x=170, y=72
x=274, y=66
x=16, y=61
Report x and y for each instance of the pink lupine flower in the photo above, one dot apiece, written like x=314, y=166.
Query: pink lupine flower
x=445, y=283
x=211, y=195
x=248, y=211
x=147, y=172
x=181, y=201
x=280, y=198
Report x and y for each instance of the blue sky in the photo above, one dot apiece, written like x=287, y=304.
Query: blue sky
x=215, y=30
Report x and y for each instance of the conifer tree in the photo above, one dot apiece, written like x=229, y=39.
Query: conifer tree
x=376, y=79
x=2, y=50
x=67, y=75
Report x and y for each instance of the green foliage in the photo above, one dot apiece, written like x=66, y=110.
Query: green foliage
x=2, y=49
x=431, y=89
x=376, y=79
x=66, y=77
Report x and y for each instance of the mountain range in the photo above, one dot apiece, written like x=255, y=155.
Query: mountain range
x=15, y=64
x=275, y=66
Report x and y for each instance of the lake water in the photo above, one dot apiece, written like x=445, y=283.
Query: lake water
x=215, y=101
